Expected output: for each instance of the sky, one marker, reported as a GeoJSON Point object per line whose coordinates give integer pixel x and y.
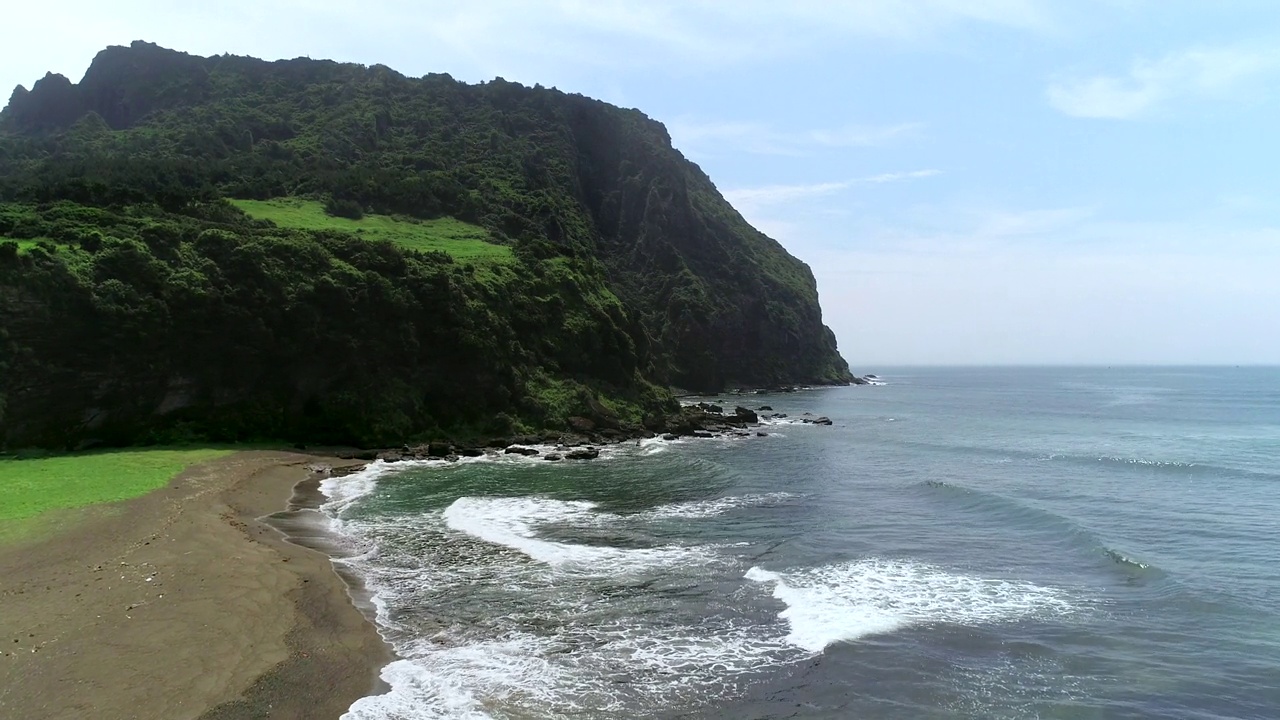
{"type": "Point", "coordinates": [971, 181]}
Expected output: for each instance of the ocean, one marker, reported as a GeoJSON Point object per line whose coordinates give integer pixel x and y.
{"type": "Point", "coordinates": [961, 543]}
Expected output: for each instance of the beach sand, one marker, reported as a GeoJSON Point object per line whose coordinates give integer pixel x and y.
{"type": "Point", "coordinates": [182, 604]}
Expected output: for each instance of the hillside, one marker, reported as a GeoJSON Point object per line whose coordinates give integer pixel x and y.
{"type": "Point", "coordinates": [233, 249]}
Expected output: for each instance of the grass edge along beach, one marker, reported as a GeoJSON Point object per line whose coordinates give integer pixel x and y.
{"type": "Point", "coordinates": [181, 602]}
{"type": "Point", "coordinates": [34, 490]}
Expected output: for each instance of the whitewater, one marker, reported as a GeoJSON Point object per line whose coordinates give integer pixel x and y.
{"type": "Point", "coordinates": [961, 543]}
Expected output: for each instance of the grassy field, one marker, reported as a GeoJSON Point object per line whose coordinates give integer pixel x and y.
{"type": "Point", "coordinates": [29, 488]}
{"type": "Point", "coordinates": [464, 241]}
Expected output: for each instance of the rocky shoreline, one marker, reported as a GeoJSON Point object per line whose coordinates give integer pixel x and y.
{"type": "Point", "coordinates": [582, 439]}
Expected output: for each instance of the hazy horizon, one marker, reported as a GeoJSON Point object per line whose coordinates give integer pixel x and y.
{"type": "Point", "coordinates": [990, 182]}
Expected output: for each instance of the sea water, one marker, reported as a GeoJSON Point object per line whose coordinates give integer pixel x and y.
{"type": "Point", "coordinates": [985, 543]}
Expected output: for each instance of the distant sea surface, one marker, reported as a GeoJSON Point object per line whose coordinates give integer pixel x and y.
{"type": "Point", "coordinates": [961, 543]}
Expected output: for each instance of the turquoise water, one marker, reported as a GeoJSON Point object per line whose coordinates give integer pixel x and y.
{"type": "Point", "coordinates": [985, 543]}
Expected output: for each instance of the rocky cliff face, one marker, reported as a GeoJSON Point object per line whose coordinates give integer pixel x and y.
{"type": "Point", "coordinates": [570, 184]}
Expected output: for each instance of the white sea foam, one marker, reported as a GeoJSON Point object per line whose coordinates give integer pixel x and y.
{"type": "Point", "coordinates": [514, 522]}
{"type": "Point", "coordinates": [716, 506]}
{"type": "Point", "coordinates": [848, 601]}
{"type": "Point", "coordinates": [344, 491]}
{"type": "Point", "coordinates": [571, 635]}
{"type": "Point", "coordinates": [438, 680]}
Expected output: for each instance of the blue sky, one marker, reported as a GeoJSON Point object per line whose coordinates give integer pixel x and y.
{"type": "Point", "coordinates": [972, 181]}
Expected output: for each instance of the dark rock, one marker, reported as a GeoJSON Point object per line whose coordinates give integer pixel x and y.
{"type": "Point", "coordinates": [518, 450]}
{"type": "Point", "coordinates": [780, 415]}
{"type": "Point", "coordinates": [451, 458]}
{"type": "Point", "coordinates": [703, 434]}
{"type": "Point", "coordinates": [601, 415]}
{"type": "Point", "coordinates": [439, 449]}
{"type": "Point", "coordinates": [763, 408]}
{"type": "Point", "coordinates": [390, 456]}
{"type": "Point", "coordinates": [824, 420]}
{"type": "Point", "coordinates": [470, 452]}
{"type": "Point", "coordinates": [581, 424]}
{"type": "Point", "coordinates": [583, 454]}
{"type": "Point", "coordinates": [670, 436]}
{"type": "Point", "coordinates": [745, 415]}
{"type": "Point", "coordinates": [711, 408]}
{"type": "Point", "coordinates": [553, 457]}
{"type": "Point", "coordinates": [761, 434]}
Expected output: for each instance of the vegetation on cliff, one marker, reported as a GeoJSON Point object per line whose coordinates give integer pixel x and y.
{"type": "Point", "coordinates": [225, 248]}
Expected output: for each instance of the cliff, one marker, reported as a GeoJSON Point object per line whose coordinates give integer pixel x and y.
{"type": "Point", "coordinates": [488, 257]}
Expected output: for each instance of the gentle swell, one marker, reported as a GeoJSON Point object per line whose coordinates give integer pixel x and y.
{"type": "Point", "coordinates": [1028, 519]}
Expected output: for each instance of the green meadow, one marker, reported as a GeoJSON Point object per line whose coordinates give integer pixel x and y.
{"type": "Point", "coordinates": [30, 488]}
{"type": "Point", "coordinates": [463, 241]}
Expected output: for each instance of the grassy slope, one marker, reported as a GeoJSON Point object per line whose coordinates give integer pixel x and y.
{"type": "Point", "coordinates": [463, 241]}
{"type": "Point", "coordinates": [31, 487]}
{"type": "Point", "coordinates": [25, 245]}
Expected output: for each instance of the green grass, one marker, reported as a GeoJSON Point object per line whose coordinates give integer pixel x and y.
{"type": "Point", "coordinates": [463, 241]}
{"type": "Point", "coordinates": [26, 245]}
{"type": "Point", "coordinates": [31, 487]}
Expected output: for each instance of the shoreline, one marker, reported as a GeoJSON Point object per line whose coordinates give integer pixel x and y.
{"type": "Point", "coordinates": [189, 602]}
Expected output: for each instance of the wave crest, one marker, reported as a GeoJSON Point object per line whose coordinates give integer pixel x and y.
{"type": "Point", "coordinates": [836, 603]}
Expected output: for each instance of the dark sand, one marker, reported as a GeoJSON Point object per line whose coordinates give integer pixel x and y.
{"type": "Point", "coordinates": [183, 604]}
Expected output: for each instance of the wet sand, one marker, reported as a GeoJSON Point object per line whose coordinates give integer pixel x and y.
{"type": "Point", "coordinates": [183, 604]}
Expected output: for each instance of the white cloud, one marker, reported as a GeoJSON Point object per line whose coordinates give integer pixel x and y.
{"type": "Point", "coordinates": [864, 135]}
{"type": "Point", "coordinates": [906, 19]}
{"type": "Point", "coordinates": [749, 200]}
{"type": "Point", "coordinates": [1151, 85]}
{"type": "Point", "coordinates": [1030, 222]}
{"type": "Point", "coordinates": [760, 139]}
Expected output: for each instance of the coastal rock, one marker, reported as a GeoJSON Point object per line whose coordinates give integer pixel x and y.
{"type": "Point", "coordinates": [600, 415]}
{"type": "Point", "coordinates": [553, 457]}
{"type": "Point", "coordinates": [519, 450]}
{"type": "Point", "coordinates": [745, 415]}
{"type": "Point", "coordinates": [670, 436]}
{"type": "Point", "coordinates": [703, 434]}
{"type": "Point", "coordinates": [470, 452]}
{"type": "Point", "coordinates": [439, 449]}
{"type": "Point", "coordinates": [764, 408]}
{"type": "Point", "coordinates": [583, 454]}
{"type": "Point", "coordinates": [581, 424]}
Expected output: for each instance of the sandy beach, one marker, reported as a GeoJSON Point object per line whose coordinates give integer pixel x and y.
{"type": "Point", "coordinates": [183, 604]}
